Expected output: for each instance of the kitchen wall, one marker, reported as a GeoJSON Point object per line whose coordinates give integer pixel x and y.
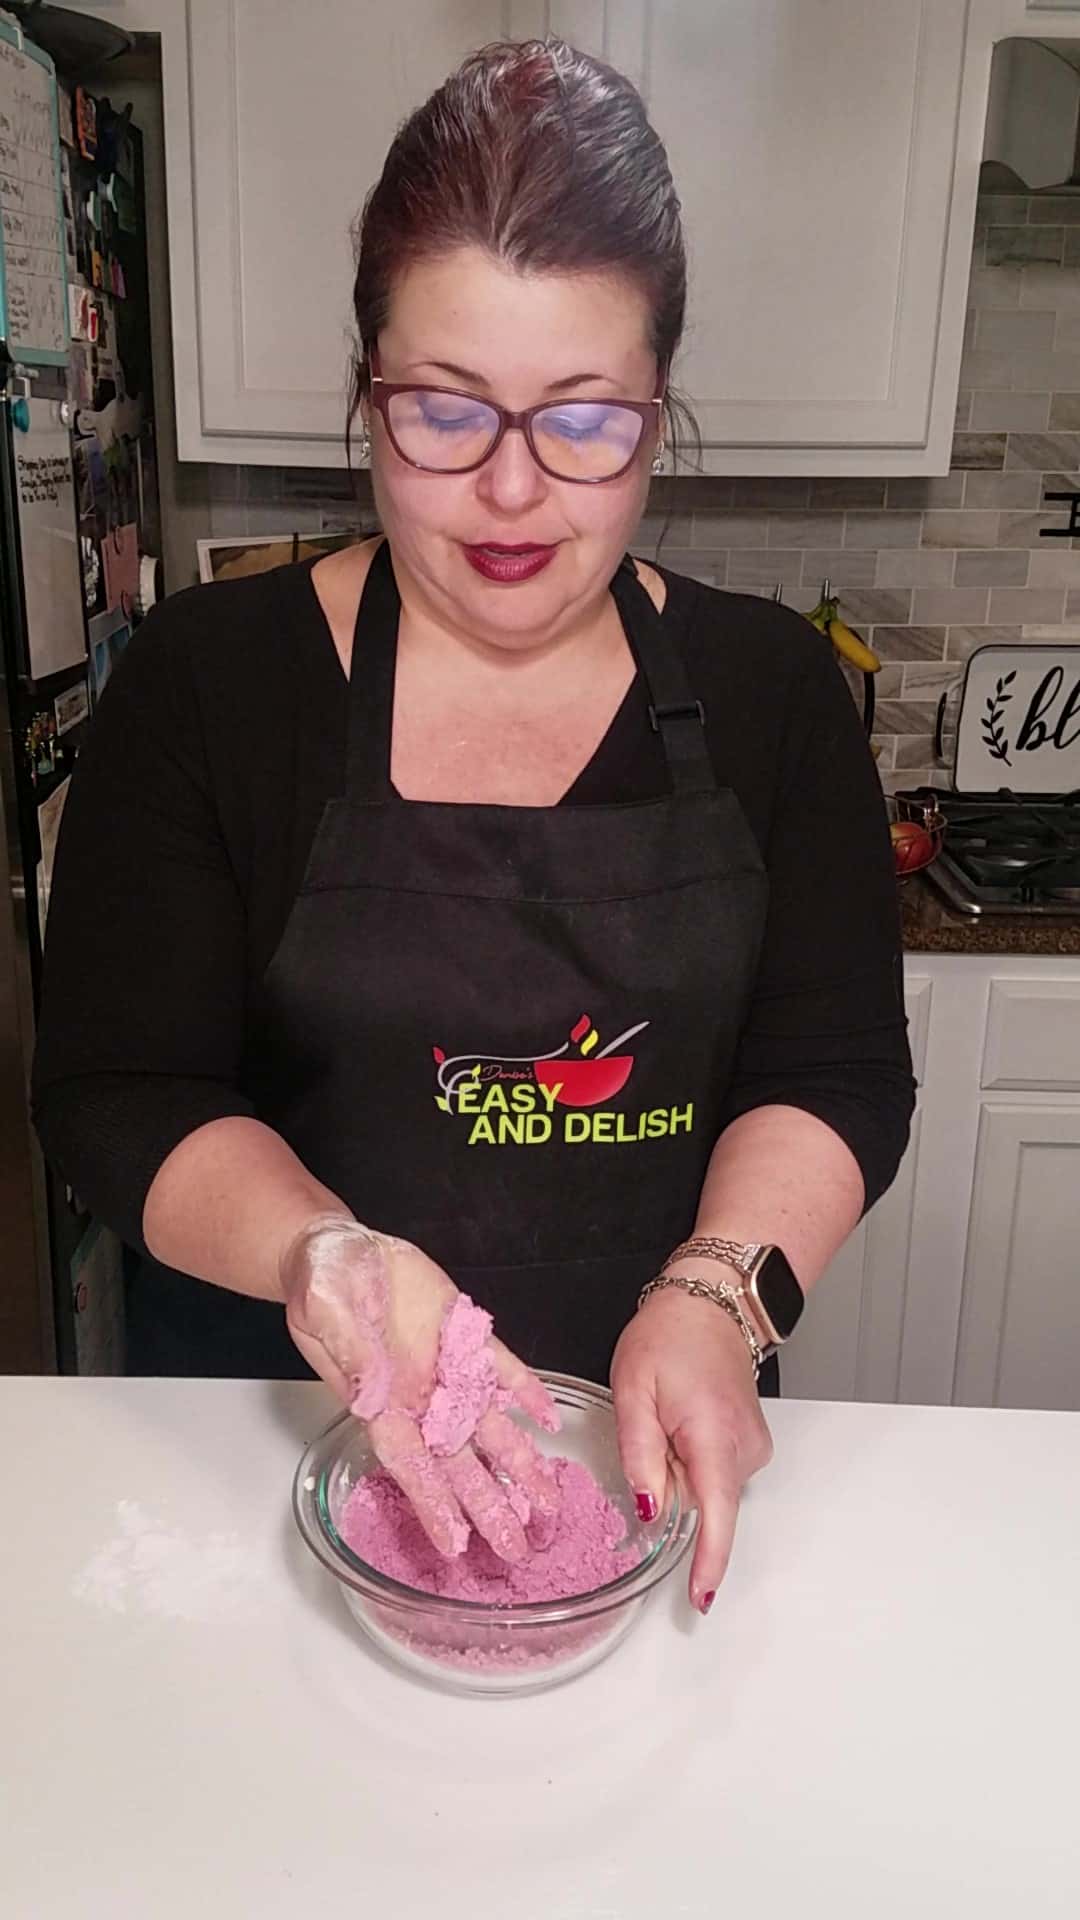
{"type": "Point", "coordinates": [925, 569]}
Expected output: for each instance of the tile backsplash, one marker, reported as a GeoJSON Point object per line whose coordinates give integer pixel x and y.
{"type": "Point", "coordinates": [925, 569]}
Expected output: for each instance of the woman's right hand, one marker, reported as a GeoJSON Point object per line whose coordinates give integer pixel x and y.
{"type": "Point", "coordinates": [366, 1311]}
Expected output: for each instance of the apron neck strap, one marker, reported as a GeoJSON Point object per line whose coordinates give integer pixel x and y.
{"type": "Point", "coordinates": [675, 714]}
{"type": "Point", "coordinates": [371, 683]}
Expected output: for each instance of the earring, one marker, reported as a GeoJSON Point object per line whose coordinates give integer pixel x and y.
{"type": "Point", "coordinates": [658, 459]}
{"type": "Point", "coordinates": [363, 443]}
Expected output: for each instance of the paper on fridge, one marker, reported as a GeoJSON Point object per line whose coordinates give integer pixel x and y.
{"type": "Point", "coordinates": [52, 583]}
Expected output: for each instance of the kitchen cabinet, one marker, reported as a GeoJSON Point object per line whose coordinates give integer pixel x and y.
{"type": "Point", "coordinates": [827, 157]}
{"type": "Point", "coordinates": [1019, 1341]}
{"type": "Point", "coordinates": [813, 149]}
{"type": "Point", "coordinates": [960, 1285]}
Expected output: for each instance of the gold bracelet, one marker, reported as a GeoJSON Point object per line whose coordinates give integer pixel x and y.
{"type": "Point", "coordinates": [729, 1251]}
{"type": "Point", "coordinates": [720, 1293]}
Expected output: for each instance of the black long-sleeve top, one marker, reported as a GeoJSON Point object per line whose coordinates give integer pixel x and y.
{"type": "Point", "coordinates": [193, 807]}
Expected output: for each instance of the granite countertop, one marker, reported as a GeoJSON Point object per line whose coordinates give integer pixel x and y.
{"type": "Point", "coordinates": [930, 926]}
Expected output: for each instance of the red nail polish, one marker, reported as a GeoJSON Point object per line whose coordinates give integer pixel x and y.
{"type": "Point", "coordinates": [707, 1600]}
{"type": "Point", "coordinates": [647, 1508]}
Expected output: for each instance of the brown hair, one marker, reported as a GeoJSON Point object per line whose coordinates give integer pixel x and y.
{"type": "Point", "coordinates": [543, 156]}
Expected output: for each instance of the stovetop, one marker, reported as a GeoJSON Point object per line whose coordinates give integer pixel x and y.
{"type": "Point", "coordinates": [1003, 854]}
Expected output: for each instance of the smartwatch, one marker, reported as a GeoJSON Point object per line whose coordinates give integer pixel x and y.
{"type": "Point", "coordinates": [770, 1295]}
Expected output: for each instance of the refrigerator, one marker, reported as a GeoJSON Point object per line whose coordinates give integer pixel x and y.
{"type": "Point", "coordinates": [79, 540]}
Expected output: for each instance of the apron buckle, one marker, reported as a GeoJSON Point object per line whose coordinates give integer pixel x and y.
{"type": "Point", "coordinates": [685, 711]}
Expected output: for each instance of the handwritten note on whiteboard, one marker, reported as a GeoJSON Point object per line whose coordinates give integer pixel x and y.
{"type": "Point", "coordinates": [52, 583]}
{"type": "Point", "coordinates": [35, 289]}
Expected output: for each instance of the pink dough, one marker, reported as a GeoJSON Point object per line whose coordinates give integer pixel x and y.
{"type": "Point", "coordinates": [466, 1384]}
{"type": "Point", "coordinates": [583, 1548]}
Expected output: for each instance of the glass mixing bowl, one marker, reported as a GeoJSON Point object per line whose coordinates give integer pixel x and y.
{"type": "Point", "coordinates": [475, 1646]}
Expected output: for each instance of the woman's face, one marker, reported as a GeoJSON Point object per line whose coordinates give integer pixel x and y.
{"type": "Point", "coordinates": [465, 321]}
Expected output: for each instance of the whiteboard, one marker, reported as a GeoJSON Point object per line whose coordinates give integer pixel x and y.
{"type": "Point", "coordinates": [52, 580]}
{"type": "Point", "coordinates": [33, 292]}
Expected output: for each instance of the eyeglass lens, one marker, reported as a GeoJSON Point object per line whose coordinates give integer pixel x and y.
{"type": "Point", "coordinates": [575, 439]}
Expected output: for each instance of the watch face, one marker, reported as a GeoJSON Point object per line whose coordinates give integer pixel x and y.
{"type": "Point", "coordinates": [779, 1292]}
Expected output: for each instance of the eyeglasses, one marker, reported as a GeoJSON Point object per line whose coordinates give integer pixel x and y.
{"type": "Point", "coordinates": [440, 430]}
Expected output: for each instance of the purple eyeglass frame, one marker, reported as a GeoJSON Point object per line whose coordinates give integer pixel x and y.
{"type": "Point", "coordinates": [383, 391]}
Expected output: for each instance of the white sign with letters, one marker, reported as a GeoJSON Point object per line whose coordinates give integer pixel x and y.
{"type": "Point", "coordinates": [1019, 726]}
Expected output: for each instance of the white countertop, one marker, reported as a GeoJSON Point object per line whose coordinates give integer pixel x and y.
{"type": "Point", "coordinates": [880, 1718]}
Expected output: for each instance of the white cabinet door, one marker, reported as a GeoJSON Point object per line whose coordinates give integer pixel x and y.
{"type": "Point", "coordinates": [812, 143]}
{"type": "Point", "coordinates": [291, 114]}
{"type": "Point", "coordinates": [850, 1338]}
{"type": "Point", "coordinates": [1019, 1342]}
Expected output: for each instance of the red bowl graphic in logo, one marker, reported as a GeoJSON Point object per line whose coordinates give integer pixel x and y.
{"type": "Point", "coordinates": [584, 1083]}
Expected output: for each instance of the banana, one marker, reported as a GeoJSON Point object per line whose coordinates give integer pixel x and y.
{"type": "Point", "coordinates": [851, 648]}
{"type": "Point", "coordinates": [826, 618]}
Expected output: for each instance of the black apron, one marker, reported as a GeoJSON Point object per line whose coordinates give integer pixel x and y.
{"type": "Point", "coordinates": [505, 1033]}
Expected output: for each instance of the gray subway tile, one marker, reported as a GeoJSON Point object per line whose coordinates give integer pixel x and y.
{"type": "Point", "coordinates": [1024, 529]}
{"type": "Point", "coordinates": [884, 749]}
{"type": "Point", "coordinates": [914, 749]}
{"type": "Point", "coordinates": [690, 493]}
{"type": "Point", "coordinates": [982, 489]}
{"type": "Point", "coordinates": [806, 529]}
{"type": "Point", "coordinates": [1027, 604]}
{"type": "Point", "coordinates": [888, 680]}
{"type": "Point", "coordinates": [1067, 333]}
{"type": "Point", "coordinates": [844, 566]}
{"type": "Point", "coordinates": [983, 371]}
{"type": "Point", "coordinates": [900, 716]}
{"type": "Point", "coordinates": [1048, 289]}
{"type": "Point", "coordinates": [1012, 243]}
{"type": "Point", "coordinates": [978, 450]}
{"type": "Point", "coordinates": [994, 567]}
{"type": "Point", "coordinates": [944, 606]}
{"type": "Point", "coordinates": [962, 528]}
{"type": "Point", "coordinates": [1058, 372]}
{"type": "Point", "coordinates": [1027, 330]}
{"type": "Point", "coordinates": [1072, 248]}
{"type": "Point", "coordinates": [1065, 411]}
{"type": "Point", "coordinates": [842, 490]}
{"type": "Point", "coordinates": [657, 529]}
{"type": "Point", "coordinates": [899, 780]}
{"type": "Point", "coordinates": [866, 606]}
{"type": "Point", "coordinates": [1054, 209]}
{"type": "Point", "coordinates": [1056, 564]}
{"type": "Point", "coordinates": [962, 641]}
{"type": "Point", "coordinates": [914, 567]}
{"type": "Point", "coordinates": [995, 287]}
{"type": "Point", "coordinates": [929, 679]}
{"type": "Point", "coordinates": [887, 529]}
{"type": "Point", "coordinates": [763, 490]}
{"type": "Point", "coordinates": [1011, 412]}
{"type": "Point", "coordinates": [749, 569]}
{"type": "Point", "coordinates": [1002, 209]}
{"type": "Point", "coordinates": [695, 563]}
{"type": "Point", "coordinates": [1042, 451]}
{"type": "Point", "coordinates": [962, 413]}
{"type": "Point", "coordinates": [1072, 603]}
{"type": "Point", "coordinates": [730, 530]}
{"type": "Point", "coordinates": [919, 490]}
{"type": "Point", "coordinates": [909, 643]}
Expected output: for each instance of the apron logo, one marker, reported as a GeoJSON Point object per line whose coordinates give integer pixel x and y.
{"type": "Point", "coordinates": [516, 1100]}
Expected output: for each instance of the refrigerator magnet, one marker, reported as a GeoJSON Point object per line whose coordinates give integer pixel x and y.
{"type": "Point", "coordinates": [121, 557]}
{"type": "Point", "coordinates": [86, 123]}
{"type": "Point", "coordinates": [71, 706]}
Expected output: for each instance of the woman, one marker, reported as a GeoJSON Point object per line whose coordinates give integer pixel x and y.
{"type": "Point", "coordinates": [483, 909]}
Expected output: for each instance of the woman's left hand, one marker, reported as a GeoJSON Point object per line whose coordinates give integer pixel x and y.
{"type": "Point", "coordinates": [686, 1399]}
